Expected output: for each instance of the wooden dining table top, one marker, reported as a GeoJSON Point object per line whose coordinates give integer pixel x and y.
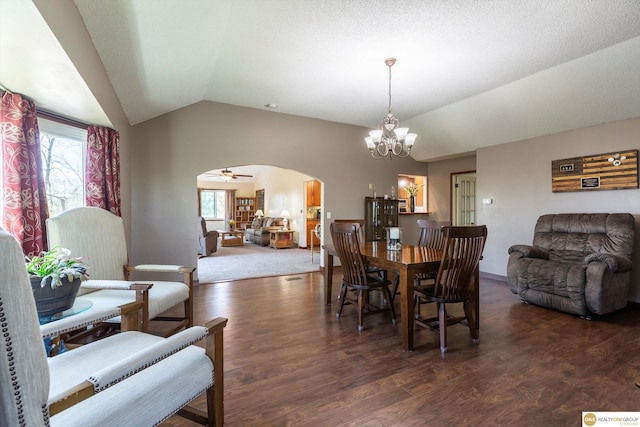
{"type": "Point", "coordinates": [407, 257]}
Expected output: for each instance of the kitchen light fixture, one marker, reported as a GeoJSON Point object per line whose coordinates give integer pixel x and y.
{"type": "Point", "coordinates": [389, 139]}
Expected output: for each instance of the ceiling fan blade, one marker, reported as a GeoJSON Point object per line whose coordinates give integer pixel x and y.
{"type": "Point", "coordinates": [247, 176]}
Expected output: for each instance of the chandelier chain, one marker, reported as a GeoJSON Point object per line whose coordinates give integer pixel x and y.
{"type": "Point", "coordinates": [389, 139]}
{"type": "Point", "coordinates": [389, 108]}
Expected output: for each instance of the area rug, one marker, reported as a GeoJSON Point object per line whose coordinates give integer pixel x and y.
{"type": "Point", "coordinates": [251, 261]}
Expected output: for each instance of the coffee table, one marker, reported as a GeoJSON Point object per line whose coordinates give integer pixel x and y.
{"type": "Point", "coordinates": [231, 237]}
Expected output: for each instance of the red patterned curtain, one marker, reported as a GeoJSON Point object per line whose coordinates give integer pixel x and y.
{"type": "Point", "coordinates": [102, 176]}
{"type": "Point", "coordinates": [24, 199]}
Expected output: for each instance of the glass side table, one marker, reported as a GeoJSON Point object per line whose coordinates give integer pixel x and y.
{"type": "Point", "coordinates": [54, 346]}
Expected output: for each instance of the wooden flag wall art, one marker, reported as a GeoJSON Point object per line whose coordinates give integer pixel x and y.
{"type": "Point", "coordinates": [608, 171]}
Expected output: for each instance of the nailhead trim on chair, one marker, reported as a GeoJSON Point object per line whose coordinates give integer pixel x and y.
{"type": "Point", "coordinates": [17, 392]}
{"type": "Point", "coordinates": [17, 395]}
{"type": "Point", "coordinates": [97, 387]}
{"type": "Point", "coordinates": [79, 325]}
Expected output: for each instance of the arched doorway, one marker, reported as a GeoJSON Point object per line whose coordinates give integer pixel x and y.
{"type": "Point", "coordinates": [271, 189]}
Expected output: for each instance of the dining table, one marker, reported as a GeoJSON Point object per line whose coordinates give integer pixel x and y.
{"type": "Point", "coordinates": [406, 262]}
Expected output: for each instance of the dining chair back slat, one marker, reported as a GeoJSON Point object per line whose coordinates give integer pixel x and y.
{"type": "Point", "coordinates": [431, 235]}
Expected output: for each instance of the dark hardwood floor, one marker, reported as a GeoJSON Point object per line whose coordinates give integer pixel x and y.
{"type": "Point", "coordinates": [290, 362]}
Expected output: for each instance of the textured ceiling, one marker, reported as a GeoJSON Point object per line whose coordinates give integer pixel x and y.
{"type": "Point", "coordinates": [469, 73]}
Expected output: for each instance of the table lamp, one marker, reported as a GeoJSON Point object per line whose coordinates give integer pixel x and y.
{"type": "Point", "coordinates": [259, 213]}
{"type": "Point", "coordinates": [285, 218]}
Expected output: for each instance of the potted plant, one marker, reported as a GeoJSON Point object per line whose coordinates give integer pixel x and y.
{"type": "Point", "coordinates": [232, 224]}
{"type": "Point", "coordinates": [55, 280]}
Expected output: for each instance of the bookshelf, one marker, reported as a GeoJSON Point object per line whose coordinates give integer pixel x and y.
{"type": "Point", "coordinates": [244, 211]}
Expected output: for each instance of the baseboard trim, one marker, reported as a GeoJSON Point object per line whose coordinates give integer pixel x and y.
{"type": "Point", "coordinates": [492, 276]}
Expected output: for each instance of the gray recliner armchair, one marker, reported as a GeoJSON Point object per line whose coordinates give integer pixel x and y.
{"type": "Point", "coordinates": [207, 240]}
{"type": "Point", "coordinates": [578, 263]}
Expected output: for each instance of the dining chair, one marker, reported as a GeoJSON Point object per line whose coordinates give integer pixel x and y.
{"type": "Point", "coordinates": [356, 276]}
{"type": "Point", "coordinates": [128, 379]}
{"type": "Point", "coordinates": [431, 236]}
{"type": "Point", "coordinates": [461, 254]}
{"type": "Point", "coordinates": [98, 237]}
{"type": "Point", "coordinates": [359, 223]}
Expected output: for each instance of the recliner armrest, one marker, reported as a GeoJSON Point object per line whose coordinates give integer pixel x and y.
{"type": "Point", "coordinates": [528, 251]}
{"type": "Point", "coordinates": [615, 263]}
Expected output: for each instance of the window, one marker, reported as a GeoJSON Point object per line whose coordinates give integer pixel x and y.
{"type": "Point", "coordinates": [419, 184]}
{"type": "Point", "coordinates": [63, 151]}
{"type": "Point", "coordinates": [212, 204]}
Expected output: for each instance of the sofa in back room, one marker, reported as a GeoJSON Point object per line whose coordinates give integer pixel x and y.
{"type": "Point", "coordinates": [258, 231]}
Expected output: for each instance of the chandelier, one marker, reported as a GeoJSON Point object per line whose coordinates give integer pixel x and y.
{"type": "Point", "coordinates": [389, 139]}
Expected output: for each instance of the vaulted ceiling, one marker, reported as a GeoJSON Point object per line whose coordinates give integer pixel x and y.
{"type": "Point", "coordinates": [468, 74]}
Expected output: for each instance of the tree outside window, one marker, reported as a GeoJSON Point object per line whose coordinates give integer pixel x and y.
{"type": "Point", "coordinates": [212, 204]}
{"type": "Point", "coordinates": [62, 164]}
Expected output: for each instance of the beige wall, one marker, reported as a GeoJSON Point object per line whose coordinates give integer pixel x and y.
{"type": "Point", "coordinates": [517, 176]}
{"type": "Point", "coordinates": [171, 150]}
{"type": "Point", "coordinates": [439, 184]}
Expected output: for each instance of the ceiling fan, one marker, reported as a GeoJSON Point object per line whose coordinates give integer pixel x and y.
{"type": "Point", "coordinates": [228, 175]}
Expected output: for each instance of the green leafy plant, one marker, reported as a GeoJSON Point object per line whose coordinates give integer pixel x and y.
{"type": "Point", "coordinates": [56, 264]}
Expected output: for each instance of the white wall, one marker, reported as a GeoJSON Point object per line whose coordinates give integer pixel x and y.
{"type": "Point", "coordinates": [517, 176]}
{"type": "Point", "coordinates": [284, 189]}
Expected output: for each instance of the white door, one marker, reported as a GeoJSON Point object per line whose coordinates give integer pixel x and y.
{"type": "Point", "coordinates": [463, 196]}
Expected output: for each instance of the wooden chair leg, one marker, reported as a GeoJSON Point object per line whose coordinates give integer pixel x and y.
{"type": "Point", "coordinates": [387, 293]}
{"type": "Point", "coordinates": [343, 297]}
{"type": "Point", "coordinates": [361, 298]}
{"type": "Point", "coordinates": [396, 285]}
{"type": "Point", "coordinates": [442, 320]}
{"type": "Point", "coordinates": [468, 311]}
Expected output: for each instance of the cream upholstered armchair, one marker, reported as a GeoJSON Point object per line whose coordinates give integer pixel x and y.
{"type": "Point", "coordinates": [98, 236]}
{"type": "Point", "coordinates": [131, 378]}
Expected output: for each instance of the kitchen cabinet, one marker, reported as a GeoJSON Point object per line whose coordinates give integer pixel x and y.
{"type": "Point", "coordinates": [313, 193]}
